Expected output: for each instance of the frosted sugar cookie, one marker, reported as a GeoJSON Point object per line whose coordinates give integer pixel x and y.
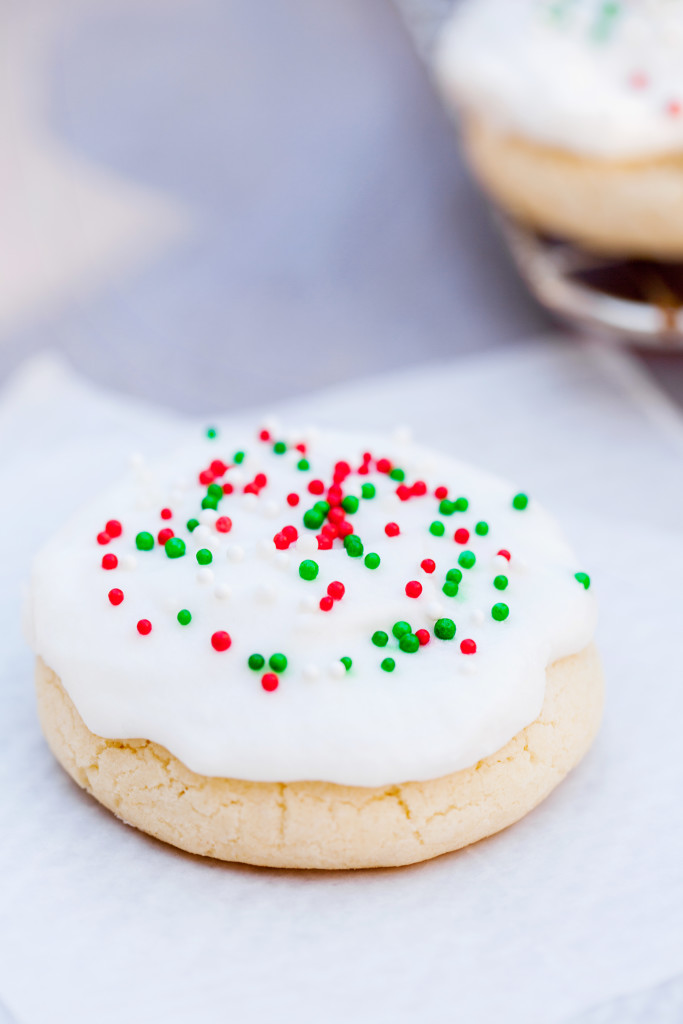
{"type": "Point", "coordinates": [572, 115]}
{"type": "Point", "coordinates": [306, 649]}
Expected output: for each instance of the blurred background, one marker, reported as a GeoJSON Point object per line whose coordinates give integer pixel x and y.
{"type": "Point", "coordinates": [217, 203]}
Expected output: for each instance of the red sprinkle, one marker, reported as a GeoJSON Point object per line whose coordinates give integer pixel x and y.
{"type": "Point", "coordinates": [251, 488]}
{"type": "Point", "coordinates": [344, 528]}
{"type": "Point", "coordinates": [109, 561]}
{"type": "Point", "coordinates": [206, 477]}
{"type": "Point", "coordinates": [342, 468]}
{"type": "Point", "coordinates": [392, 529]}
{"type": "Point", "coordinates": [363, 470]}
{"type": "Point", "coordinates": [324, 542]}
{"type": "Point", "coordinates": [413, 588]}
{"type": "Point", "coordinates": [403, 491]}
{"type": "Point", "coordinates": [165, 514]}
{"type": "Point", "coordinates": [326, 603]}
{"type": "Point", "coordinates": [468, 647]}
{"type": "Point", "coordinates": [103, 538]}
{"type": "Point", "coordinates": [336, 514]}
{"type": "Point", "coordinates": [419, 488]}
{"type": "Point", "coordinates": [461, 536]}
{"type": "Point", "coordinates": [228, 488]}
{"type": "Point", "coordinates": [504, 553]}
{"type": "Point", "coordinates": [428, 564]}
{"type": "Point", "coordinates": [335, 495]}
{"type": "Point", "coordinates": [301, 448]}
{"type": "Point", "coordinates": [220, 640]}
{"type": "Point", "coordinates": [383, 466]}
{"type": "Point", "coordinates": [316, 487]}
{"type": "Point", "coordinates": [144, 627]}
{"type": "Point", "coordinates": [673, 108]}
{"type": "Point", "coordinates": [224, 524]}
{"type": "Point", "coordinates": [292, 499]}
{"type": "Point", "coordinates": [260, 479]}
{"type": "Point", "coordinates": [269, 682]}
{"type": "Point", "coordinates": [264, 435]}
{"type": "Point", "coordinates": [165, 535]}
{"type": "Point", "coordinates": [218, 467]}
{"type": "Point", "coordinates": [281, 542]}
{"type": "Point", "coordinates": [336, 590]}
{"type": "Point", "coordinates": [114, 528]}
{"type": "Point", "coordinates": [115, 596]}
{"type": "Point", "coordinates": [441, 493]}
{"type": "Point", "coordinates": [330, 530]}
{"type": "Point", "coordinates": [423, 636]}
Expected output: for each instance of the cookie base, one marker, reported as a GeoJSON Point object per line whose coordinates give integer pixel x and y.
{"type": "Point", "coordinates": [319, 824]}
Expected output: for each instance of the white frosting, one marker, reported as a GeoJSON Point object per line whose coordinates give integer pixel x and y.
{"type": "Point", "coordinates": [439, 710]}
{"type": "Point", "coordinates": [598, 78]}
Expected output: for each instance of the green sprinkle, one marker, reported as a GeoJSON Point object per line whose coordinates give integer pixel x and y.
{"type": "Point", "coordinates": [397, 474]}
{"type": "Point", "coordinates": [209, 502]}
{"type": "Point", "coordinates": [500, 582]}
{"type": "Point", "coordinates": [277, 662]}
{"type": "Point", "coordinates": [368, 491]}
{"type": "Point", "coordinates": [461, 504]}
{"type": "Point", "coordinates": [454, 575]}
{"type": "Point", "coordinates": [380, 638]}
{"type": "Point", "coordinates": [446, 507]}
{"type": "Point", "coordinates": [450, 589]}
{"type": "Point", "coordinates": [409, 643]}
{"type": "Point", "coordinates": [303, 464]}
{"type": "Point", "coordinates": [256, 661]}
{"type": "Point", "coordinates": [204, 556]}
{"type": "Point", "coordinates": [215, 491]}
{"type": "Point", "coordinates": [500, 611]}
{"type": "Point", "coordinates": [144, 541]}
{"type": "Point", "coordinates": [238, 457]}
{"type": "Point", "coordinates": [467, 559]}
{"type": "Point", "coordinates": [437, 528]}
{"type": "Point", "coordinates": [308, 570]}
{"type": "Point", "coordinates": [184, 617]}
{"type": "Point", "coordinates": [192, 524]}
{"type": "Point", "coordinates": [520, 501]}
{"type": "Point", "coordinates": [481, 528]}
{"type": "Point", "coordinates": [346, 662]}
{"type": "Point", "coordinates": [400, 629]}
{"type": "Point", "coordinates": [583, 578]}
{"type": "Point", "coordinates": [279, 447]}
{"type": "Point", "coordinates": [350, 503]}
{"type": "Point", "coordinates": [372, 560]}
{"type": "Point", "coordinates": [211, 432]}
{"type": "Point", "coordinates": [174, 547]}
{"type": "Point", "coordinates": [388, 665]}
{"type": "Point", "coordinates": [444, 629]}
{"type": "Point", "coordinates": [313, 519]}
{"type": "Point", "coordinates": [353, 545]}
{"type": "Point", "coordinates": [322, 506]}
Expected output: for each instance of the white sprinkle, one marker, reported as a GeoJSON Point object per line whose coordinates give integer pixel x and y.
{"type": "Point", "coordinates": [128, 562]}
{"type": "Point", "coordinates": [208, 516]}
{"type": "Point", "coordinates": [403, 434]}
{"type": "Point", "coordinates": [271, 509]}
{"type": "Point", "coordinates": [311, 672]}
{"type": "Point", "coordinates": [205, 575]}
{"type": "Point", "coordinates": [223, 591]}
{"type": "Point", "coordinates": [235, 552]}
{"type": "Point", "coordinates": [201, 534]}
{"type": "Point", "coordinates": [435, 608]}
{"type": "Point", "coordinates": [266, 593]}
{"type": "Point", "coordinates": [282, 559]}
{"type": "Point", "coordinates": [500, 562]}
{"type": "Point", "coordinates": [477, 618]}
{"type": "Point", "coordinates": [236, 477]}
{"type": "Point", "coordinates": [307, 544]}
{"type": "Point", "coordinates": [249, 501]}
{"type": "Point", "coordinates": [308, 604]}
{"type": "Point", "coordinates": [337, 670]}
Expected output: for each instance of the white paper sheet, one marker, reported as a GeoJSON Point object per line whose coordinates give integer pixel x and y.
{"type": "Point", "coordinates": [580, 902]}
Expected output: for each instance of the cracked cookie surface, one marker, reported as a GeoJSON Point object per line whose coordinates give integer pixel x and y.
{"type": "Point", "coordinates": [323, 825]}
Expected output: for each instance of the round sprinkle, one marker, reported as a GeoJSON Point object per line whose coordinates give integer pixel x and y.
{"type": "Point", "coordinates": [144, 627]}
{"type": "Point", "coordinates": [326, 603]}
{"type": "Point", "coordinates": [313, 519]}
{"type": "Point", "coordinates": [388, 665]}
{"type": "Point", "coordinates": [346, 662]}
{"type": "Point", "coordinates": [461, 536]}
{"type": "Point", "coordinates": [220, 640]}
{"type": "Point", "coordinates": [500, 611]}
{"type": "Point", "coordinates": [256, 662]}
{"type": "Point", "coordinates": [461, 504]}
{"type": "Point", "coordinates": [450, 589]}
{"type": "Point", "coordinates": [350, 504]}
{"type": "Point", "coordinates": [482, 528]}
{"type": "Point", "coordinates": [467, 559]}
{"type": "Point", "coordinates": [184, 617]}
{"type": "Point", "coordinates": [211, 433]}
{"type": "Point", "coordinates": [114, 528]}
{"type": "Point", "coordinates": [500, 582]}
{"type": "Point", "coordinates": [582, 577]}
{"type": "Point", "coordinates": [437, 528]}
{"type": "Point", "coordinates": [336, 590]}
{"type": "Point", "coordinates": [215, 491]}
{"type": "Point", "coordinates": [164, 535]}
{"type": "Point", "coordinates": [279, 447]}
{"type": "Point", "coordinates": [308, 569]}
{"type": "Point", "coordinates": [174, 547]}
{"type": "Point", "coordinates": [468, 647]}
{"type": "Point", "coordinates": [444, 629]}
{"type": "Point", "coordinates": [428, 564]}
{"type": "Point", "coordinates": [413, 588]}
{"type": "Point", "coordinates": [109, 561]}
{"type": "Point", "coordinates": [520, 501]}
{"type": "Point", "coordinates": [392, 529]}
{"type": "Point", "coordinates": [224, 524]}
{"type": "Point", "coordinates": [166, 513]}
{"type": "Point", "coordinates": [504, 554]}
{"type": "Point", "coordinates": [115, 596]}
{"type": "Point", "coordinates": [204, 556]}
{"type": "Point", "coordinates": [238, 457]}
{"type": "Point", "coordinates": [292, 499]}
{"type": "Point", "coordinates": [397, 474]}
{"type": "Point", "coordinates": [277, 662]}
{"type": "Point", "coordinates": [446, 507]}
{"type": "Point", "coordinates": [409, 643]}
{"type": "Point", "coordinates": [423, 636]}
{"type": "Point", "coordinates": [400, 629]}
{"type": "Point", "coordinates": [454, 575]}
{"type": "Point", "coordinates": [316, 487]}
{"type": "Point", "coordinates": [368, 490]}
{"type": "Point", "coordinates": [192, 524]}
{"type": "Point", "coordinates": [144, 541]}
{"type": "Point", "coordinates": [372, 560]}
{"type": "Point", "coordinates": [303, 464]}
{"type": "Point", "coordinates": [269, 682]}
{"type": "Point", "coordinates": [353, 545]}
{"type": "Point", "coordinates": [380, 638]}
{"type": "Point", "coordinates": [209, 502]}
{"type": "Point", "coordinates": [103, 537]}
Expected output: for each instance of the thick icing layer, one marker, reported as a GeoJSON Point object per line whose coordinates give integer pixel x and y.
{"type": "Point", "coordinates": [603, 79]}
{"type": "Point", "coordinates": [439, 710]}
